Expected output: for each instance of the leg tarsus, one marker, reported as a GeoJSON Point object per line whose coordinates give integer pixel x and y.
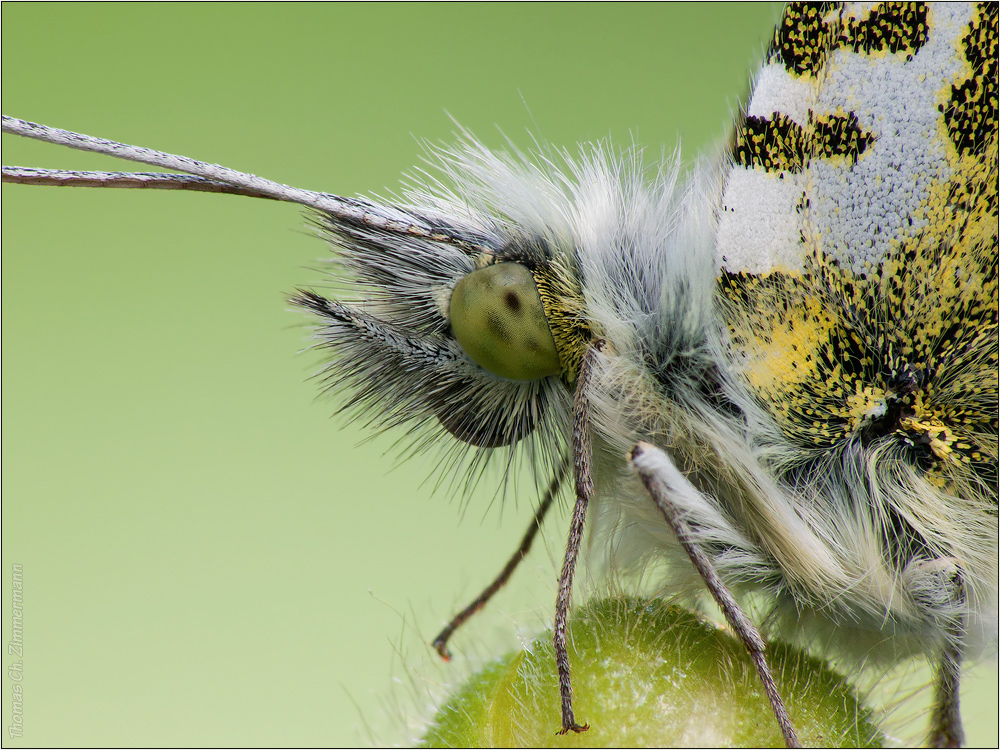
{"type": "Point", "coordinates": [562, 618]}
{"type": "Point", "coordinates": [946, 718]}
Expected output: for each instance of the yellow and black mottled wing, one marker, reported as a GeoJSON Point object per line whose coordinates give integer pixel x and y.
{"type": "Point", "coordinates": [857, 242]}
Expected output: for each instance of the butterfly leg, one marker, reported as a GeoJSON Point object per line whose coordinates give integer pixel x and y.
{"type": "Point", "coordinates": [584, 489]}
{"type": "Point", "coordinates": [662, 479]}
{"type": "Point", "coordinates": [440, 643]}
{"type": "Point", "coordinates": [946, 718]}
{"type": "Point", "coordinates": [562, 613]}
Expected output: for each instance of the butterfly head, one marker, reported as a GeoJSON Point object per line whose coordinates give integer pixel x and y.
{"type": "Point", "coordinates": [471, 307]}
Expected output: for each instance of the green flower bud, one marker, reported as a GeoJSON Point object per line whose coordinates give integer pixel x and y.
{"type": "Point", "coordinates": [650, 675]}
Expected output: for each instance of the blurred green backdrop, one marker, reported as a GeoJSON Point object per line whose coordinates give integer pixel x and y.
{"type": "Point", "coordinates": [208, 558]}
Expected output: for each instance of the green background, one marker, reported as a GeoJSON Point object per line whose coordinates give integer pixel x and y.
{"type": "Point", "coordinates": [208, 557]}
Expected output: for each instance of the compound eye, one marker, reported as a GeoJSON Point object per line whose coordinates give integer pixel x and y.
{"type": "Point", "coordinates": [497, 318]}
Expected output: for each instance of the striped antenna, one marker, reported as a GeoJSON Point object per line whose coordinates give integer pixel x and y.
{"type": "Point", "coordinates": [205, 177]}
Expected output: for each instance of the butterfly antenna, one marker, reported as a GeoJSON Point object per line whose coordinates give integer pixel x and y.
{"type": "Point", "coordinates": [205, 177]}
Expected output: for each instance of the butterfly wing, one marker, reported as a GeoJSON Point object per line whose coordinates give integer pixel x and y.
{"type": "Point", "coordinates": [857, 264]}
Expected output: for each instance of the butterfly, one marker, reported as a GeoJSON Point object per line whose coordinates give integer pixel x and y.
{"type": "Point", "coordinates": [718, 321]}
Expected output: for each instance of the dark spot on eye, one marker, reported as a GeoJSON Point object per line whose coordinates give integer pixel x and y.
{"type": "Point", "coordinates": [513, 301]}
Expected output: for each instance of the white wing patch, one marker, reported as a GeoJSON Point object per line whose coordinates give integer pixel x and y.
{"type": "Point", "coordinates": [860, 214]}
{"type": "Point", "coordinates": [855, 207]}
